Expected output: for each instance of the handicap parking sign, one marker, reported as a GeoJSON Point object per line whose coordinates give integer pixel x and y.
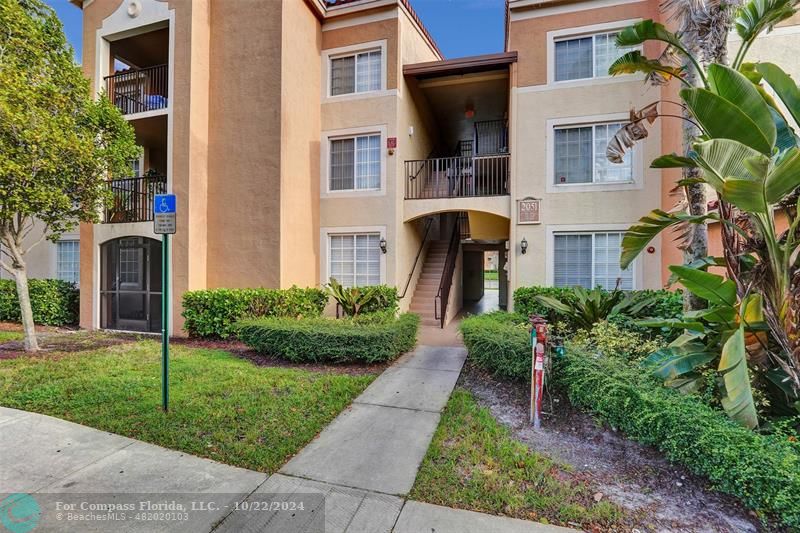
{"type": "Point", "coordinates": [164, 214]}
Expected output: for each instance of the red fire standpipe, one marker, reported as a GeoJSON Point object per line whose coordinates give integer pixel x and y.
{"type": "Point", "coordinates": [537, 368]}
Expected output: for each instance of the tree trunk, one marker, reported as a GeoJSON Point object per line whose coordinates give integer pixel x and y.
{"type": "Point", "coordinates": [26, 311]}
{"type": "Point", "coordinates": [696, 245]}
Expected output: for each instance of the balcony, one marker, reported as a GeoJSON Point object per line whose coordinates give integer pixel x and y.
{"type": "Point", "coordinates": [457, 177]}
{"type": "Point", "coordinates": [139, 90]}
{"type": "Point", "coordinates": [133, 199]}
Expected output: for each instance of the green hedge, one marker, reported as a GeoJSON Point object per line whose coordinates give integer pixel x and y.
{"type": "Point", "coordinates": [54, 302]}
{"type": "Point", "coordinates": [213, 312]}
{"type": "Point", "coordinates": [764, 471]}
{"type": "Point", "coordinates": [499, 342]}
{"type": "Point", "coordinates": [368, 339]}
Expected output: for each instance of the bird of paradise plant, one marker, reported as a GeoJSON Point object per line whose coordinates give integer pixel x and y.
{"type": "Point", "coordinates": [748, 154]}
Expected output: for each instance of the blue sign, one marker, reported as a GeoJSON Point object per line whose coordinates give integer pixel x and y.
{"type": "Point", "coordinates": [164, 204]}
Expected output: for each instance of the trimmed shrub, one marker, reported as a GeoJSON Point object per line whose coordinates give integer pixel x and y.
{"type": "Point", "coordinates": [54, 302]}
{"type": "Point", "coordinates": [762, 470]}
{"type": "Point", "coordinates": [213, 312]}
{"type": "Point", "coordinates": [367, 339]}
{"type": "Point", "coordinates": [500, 343]}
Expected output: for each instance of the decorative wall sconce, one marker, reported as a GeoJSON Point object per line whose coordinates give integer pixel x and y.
{"type": "Point", "coordinates": [523, 246]}
{"type": "Point", "coordinates": [383, 245]}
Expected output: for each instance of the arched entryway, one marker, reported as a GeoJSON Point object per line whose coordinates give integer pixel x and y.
{"type": "Point", "coordinates": [130, 284]}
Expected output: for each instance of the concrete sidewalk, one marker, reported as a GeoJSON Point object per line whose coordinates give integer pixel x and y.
{"type": "Point", "coordinates": [353, 478]}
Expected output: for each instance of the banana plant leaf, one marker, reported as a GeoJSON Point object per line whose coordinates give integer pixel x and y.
{"type": "Point", "coordinates": [674, 361]}
{"type": "Point", "coordinates": [784, 86]}
{"type": "Point", "coordinates": [673, 161]}
{"type": "Point", "coordinates": [756, 15]}
{"type": "Point", "coordinates": [712, 287]}
{"type": "Point", "coordinates": [716, 314]}
{"type": "Point", "coordinates": [673, 323]}
{"type": "Point", "coordinates": [633, 62]}
{"type": "Point", "coordinates": [724, 158]}
{"type": "Point", "coordinates": [786, 136]}
{"type": "Point", "coordinates": [723, 119]}
{"type": "Point", "coordinates": [738, 398]}
{"type": "Point", "coordinates": [639, 235]}
{"type": "Point", "coordinates": [700, 264]}
{"type": "Point", "coordinates": [647, 30]}
{"type": "Point", "coordinates": [734, 87]}
{"type": "Point", "coordinates": [686, 384]}
{"type": "Point", "coordinates": [758, 196]}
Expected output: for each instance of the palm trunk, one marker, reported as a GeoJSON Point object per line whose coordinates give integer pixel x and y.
{"type": "Point", "coordinates": [696, 244]}
{"type": "Point", "coordinates": [26, 311]}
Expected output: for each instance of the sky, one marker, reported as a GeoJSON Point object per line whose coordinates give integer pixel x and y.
{"type": "Point", "coordinates": [460, 27]}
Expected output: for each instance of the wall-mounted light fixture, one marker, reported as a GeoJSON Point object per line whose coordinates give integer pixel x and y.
{"type": "Point", "coordinates": [523, 246]}
{"type": "Point", "coordinates": [383, 244]}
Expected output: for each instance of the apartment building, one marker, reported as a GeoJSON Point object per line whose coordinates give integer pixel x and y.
{"type": "Point", "coordinates": [309, 139]}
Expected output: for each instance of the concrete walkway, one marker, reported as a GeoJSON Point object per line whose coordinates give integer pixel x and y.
{"type": "Point", "coordinates": [353, 477]}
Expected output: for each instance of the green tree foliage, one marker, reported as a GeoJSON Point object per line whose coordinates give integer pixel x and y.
{"type": "Point", "coordinates": [57, 143]}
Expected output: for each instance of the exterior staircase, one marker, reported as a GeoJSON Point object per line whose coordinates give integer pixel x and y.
{"type": "Point", "coordinates": [422, 303]}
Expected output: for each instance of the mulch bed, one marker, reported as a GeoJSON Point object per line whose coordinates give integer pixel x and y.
{"type": "Point", "coordinates": [657, 495]}
{"type": "Point", "coordinates": [58, 341]}
{"type": "Point", "coordinates": [240, 349]}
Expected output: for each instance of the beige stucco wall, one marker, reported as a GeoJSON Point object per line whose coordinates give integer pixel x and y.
{"type": "Point", "coordinates": [301, 80]}
{"type": "Point", "coordinates": [245, 143]}
{"type": "Point", "coordinates": [41, 259]}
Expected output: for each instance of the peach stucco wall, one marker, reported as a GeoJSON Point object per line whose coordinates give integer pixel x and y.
{"type": "Point", "coordinates": [244, 164]}
{"type": "Point", "coordinates": [301, 80]}
{"type": "Point", "coordinates": [529, 36]}
{"type": "Point", "coordinates": [364, 33]}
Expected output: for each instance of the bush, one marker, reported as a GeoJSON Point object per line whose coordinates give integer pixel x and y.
{"type": "Point", "coordinates": [367, 339]}
{"type": "Point", "coordinates": [54, 302]}
{"type": "Point", "coordinates": [386, 300]}
{"type": "Point", "coordinates": [213, 312]}
{"type": "Point", "coordinates": [500, 343]}
{"type": "Point", "coordinates": [764, 471]}
{"type": "Point", "coordinates": [612, 340]}
{"type": "Point", "coordinates": [667, 304]}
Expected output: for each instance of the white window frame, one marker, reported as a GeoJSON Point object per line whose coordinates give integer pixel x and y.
{"type": "Point", "coordinates": [580, 32]}
{"type": "Point", "coordinates": [325, 247]}
{"type": "Point", "coordinates": [637, 163]}
{"type": "Point", "coordinates": [57, 257]}
{"type": "Point", "coordinates": [353, 50]}
{"type": "Point", "coordinates": [553, 230]}
{"type": "Point", "coordinates": [325, 161]}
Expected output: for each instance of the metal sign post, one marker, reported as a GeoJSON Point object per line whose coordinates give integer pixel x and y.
{"type": "Point", "coordinates": [164, 224]}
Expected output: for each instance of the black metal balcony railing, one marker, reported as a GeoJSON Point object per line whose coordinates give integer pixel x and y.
{"type": "Point", "coordinates": [457, 177]}
{"type": "Point", "coordinates": [133, 198]}
{"type": "Point", "coordinates": [139, 90]}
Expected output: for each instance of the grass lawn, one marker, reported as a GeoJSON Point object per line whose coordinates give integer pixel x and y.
{"type": "Point", "coordinates": [221, 407]}
{"type": "Point", "coordinates": [473, 463]}
{"type": "Point", "coordinates": [490, 275]}
{"type": "Point", "coordinates": [6, 336]}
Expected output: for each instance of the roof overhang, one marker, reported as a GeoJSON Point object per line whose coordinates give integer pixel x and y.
{"type": "Point", "coordinates": [461, 65]}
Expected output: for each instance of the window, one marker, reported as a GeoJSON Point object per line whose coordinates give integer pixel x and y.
{"type": "Point", "coordinates": [586, 57]}
{"type": "Point", "coordinates": [356, 73]}
{"type": "Point", "coordinates": [580, 156]}
{"type": "Point", "coordinates": [68, 255]}
{"type": "Point", "coordinates": [355, 259]}
{"type": "Point", "coordinates": [590, 260]}
{"type": "Point", "coordinates": [355, 163]}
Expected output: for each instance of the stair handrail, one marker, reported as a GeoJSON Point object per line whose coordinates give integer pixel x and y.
{"type": "Point", "coordinates": [428, 223]}
{"type": "Point", "coordinates": [442, 298]}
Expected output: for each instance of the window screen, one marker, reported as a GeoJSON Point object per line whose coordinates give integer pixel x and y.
{"type": "Point", "coordinates": [68, 256]}
{"type": "Point", "coordinates": [355, 259]}
{"type": "Point", "coordinates": [590, 260]}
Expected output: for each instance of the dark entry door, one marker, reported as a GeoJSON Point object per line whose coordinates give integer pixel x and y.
{"type": "Point", "coordinates": [130, 284]}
